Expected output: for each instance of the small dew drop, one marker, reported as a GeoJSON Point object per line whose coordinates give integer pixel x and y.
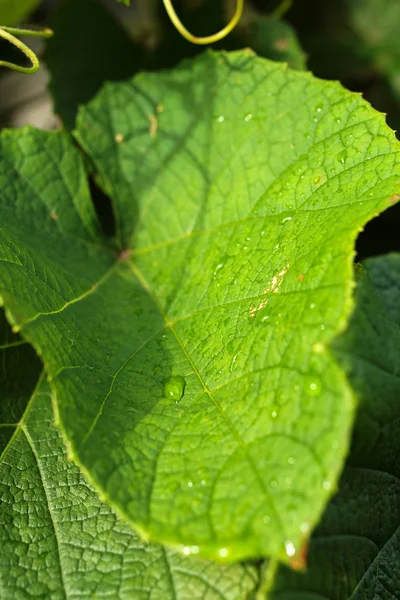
{"type": "Point", "coordinates": [248, 117]}
{"type": "Point", "coordinates": [317, 180]}
{"type": "Point", "coordinates": [218, 267]}
{"type": "Point", "coordinates": [203, 482]}
{"type": "Point", "coordinates": [266, 519]}
{"type": "Point", "coordinates": [194, 549]}
{"type": "Point", "coordinates": [221, 119]}
{"type": "Point", "coordinates": [318, 348]}
{"type": "Point", "coordinates": [273, 484]}
{"type": "Point", "coordinates": [341, 157]}
{"type": "Point", "coordinates": [186, 550]}
{"type": "Point", "coordinates": [287, 219]}
{"type": "Point", "coordinates": [290, 548]}
{"type": "Point", "coordinates": [312, 386]}
{"type": "Point", "coordinates": [190, 484]}
{"type": "Point", "coordinates": [291, 460]}
{"type": "Point", "coordinates": [223, 552]}
{"type": "Point", "coordinates": [327, 485]}
{"type": "Point", "coordinates": [338, 121]}
{"type": "Point", "coordinates": [304, 527]}
{"type": "Point", "coordinates": [174, 388]}
{"type": "Point", "coordinates": [233, 363]}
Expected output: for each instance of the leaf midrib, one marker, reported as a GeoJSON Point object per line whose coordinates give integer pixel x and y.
{"type": "Point", "coordinates": [230, 425]}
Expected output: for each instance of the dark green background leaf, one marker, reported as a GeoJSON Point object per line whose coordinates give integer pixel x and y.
{"type": "Point", "coordinates": [355, 551]}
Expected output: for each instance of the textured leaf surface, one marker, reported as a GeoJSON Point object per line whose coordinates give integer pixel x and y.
{"type": "Point", "coordinates": [238, 188]}
{"type": "Point", "coordinates": [355, 551]}
{"type": "Point", "coordinates": [58, 540]}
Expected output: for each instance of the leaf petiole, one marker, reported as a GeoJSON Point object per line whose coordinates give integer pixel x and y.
{"type": "Point", "coordinates": [211, 39]}
{"type": "Point", "coordinates": [10, 33]}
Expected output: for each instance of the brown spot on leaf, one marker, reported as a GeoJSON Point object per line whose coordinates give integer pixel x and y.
{"type": "Point", "coordinates": [53, 215]}
{"type": "Point", "coordinates": [153, 126]}
{"type": "Point", "coordinates": [394, 198]}
{"type": "Point", "coordinates": [300, 278]}
{"type": "Point", "coordinates": [125, 254]}
{"type": "Point", "coordinates": [299, 561]}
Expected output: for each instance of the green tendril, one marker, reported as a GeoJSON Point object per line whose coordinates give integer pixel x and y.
{"type": "Point", "coordinates": [211, 39]}
{"type": "Point", "coordinates": [9, 33]}
{"type": "Point", "coordinates": [281, 9]}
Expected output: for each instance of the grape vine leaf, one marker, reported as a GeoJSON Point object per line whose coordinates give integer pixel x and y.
{"type": "Point", "coordinates": [190, 365]}
{"type": "Point", "coordinates": [58, 539]}
{"type": "Point", "coordinates": [355, 551]}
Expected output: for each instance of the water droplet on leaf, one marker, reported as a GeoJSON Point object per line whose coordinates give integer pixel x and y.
{"type": "Point", "coordinates": [312, 386]}
{"type": "Point", "coordinates": [174, 388]}
{"type": "Point", "coordinates": [341, 157]}
{"type": "Point", "coordinates": [266, 519]}
{"type": "Point", "coordinates": [290, 548]}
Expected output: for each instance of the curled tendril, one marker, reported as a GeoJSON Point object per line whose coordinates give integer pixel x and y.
{"type": "Point", "coordinates": [211, 39]}
{"type": "Point", "coordinates": [9, 33]}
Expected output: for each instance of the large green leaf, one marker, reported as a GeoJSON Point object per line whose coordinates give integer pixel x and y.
{"type": "Point", "coordinates": [58, 540]}
{"type": "Point", "coordinates": [355, 552]}
{"type": "Point", "coordinates": [12, 12]}
{"type": "Point", "coordinates": [190, 366]}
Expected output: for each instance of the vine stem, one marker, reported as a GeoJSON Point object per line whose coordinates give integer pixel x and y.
{"type": "Point", "coordinates": [281, 9]}
{"type": "Point", "coordinates": [10, 33]}
{"type": "Point", "coordinates": [211, 39]}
